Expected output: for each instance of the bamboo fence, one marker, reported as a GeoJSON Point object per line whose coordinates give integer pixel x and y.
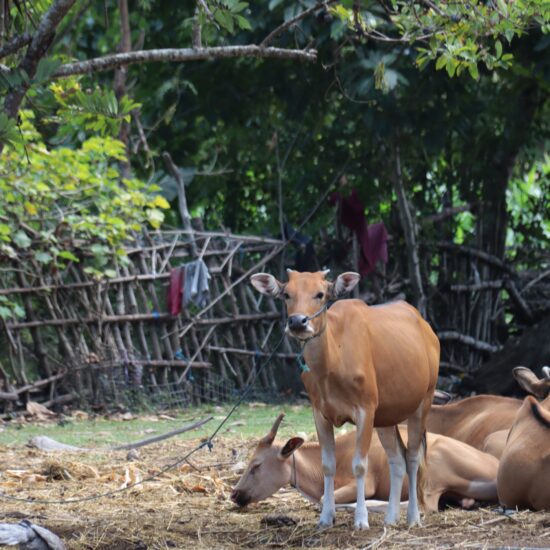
{"type": "Point", "coordinates": [86, 341]}
{"type": "Point", "coordinates": [94, 343]}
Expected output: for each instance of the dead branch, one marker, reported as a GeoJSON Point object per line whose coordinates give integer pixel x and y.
{"type": "Point", "coordinates": [484, 256]}
{"type": "Point", "coordinates": [486, 285]}
{"type": "Point", "coordinates": [181, 55]}
{"type": "Point", "coordinates": [138, 317]}
{"type": "Point", "coordinates": [410, 233]}
{"type": "Point", "coordinates": [468, 340]}
{"type": "Point", "coordinates": [162, 437]}
{"type": "Point", "coordinates": [48, 444]}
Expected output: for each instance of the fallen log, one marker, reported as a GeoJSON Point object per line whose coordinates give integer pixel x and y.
{"type": "Point", "coordinates": [45, 443]}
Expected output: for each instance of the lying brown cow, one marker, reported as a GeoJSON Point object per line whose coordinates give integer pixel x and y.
{"type": "Point", "coordinates": [524, 472]}
{"type": "Point", "coordinates": [454, 469]}
{"type": "Point", "coordinates": [483, 421]}
{"type": "Point", "coordinates": [475, 420]}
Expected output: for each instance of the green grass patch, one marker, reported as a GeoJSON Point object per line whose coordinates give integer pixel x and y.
{"type": "Point", "coordinates": [249, 421]}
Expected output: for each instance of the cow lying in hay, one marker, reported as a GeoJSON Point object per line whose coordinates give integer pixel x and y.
{"type": "Point", "coordinates": [370, 366]}
{"type": "Point", "coordinates": [454, 470]}
{"type": "Point", "coordinates": [523, 479]}
{"type": "Point", "coordinates": [481, 421]}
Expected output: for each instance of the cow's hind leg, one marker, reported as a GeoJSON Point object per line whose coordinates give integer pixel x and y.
{"type": "Point", "coordinates": [325, 432]}
{"type": "Point", "coordinates": [364, 423]}
{"type": "Point", "coordinates": [415, 455]}
{"type": "Point", "coordinates": [396, 452]}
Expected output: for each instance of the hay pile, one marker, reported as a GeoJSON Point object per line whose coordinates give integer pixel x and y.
{"type": "Point", "coordinates": [189, 507]}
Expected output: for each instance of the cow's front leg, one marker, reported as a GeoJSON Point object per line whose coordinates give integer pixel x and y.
{"type": "Point", "coordinates": [325, 433]}
{"type": "Point", "coordinates": [360, 463]}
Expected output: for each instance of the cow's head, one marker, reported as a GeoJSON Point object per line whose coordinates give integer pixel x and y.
{"type": "Point", "coordinates": [531, 383]}
{"type": "Point", "coordinates": [268, 470]}
{"type": "Point", "coordinates": [305, 294]}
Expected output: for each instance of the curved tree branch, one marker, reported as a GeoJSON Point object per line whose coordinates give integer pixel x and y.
{"type": "Point", "coordinates": [15, 44]}
{"type": "Point", "coordinates": [114, 61]}
{"type": "Point", "coordinates": [36, 51]}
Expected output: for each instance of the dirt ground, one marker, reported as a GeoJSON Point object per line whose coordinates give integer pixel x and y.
{"type": "Point", "coordinates": [189, 508]}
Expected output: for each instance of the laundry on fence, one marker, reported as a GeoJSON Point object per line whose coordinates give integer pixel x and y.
{"type": "Point", "coordinates": [175, 290]}
{"type": "Point", "coordinates": [373, 239]}
{"type": "Point", "coordinates": [188, 284]}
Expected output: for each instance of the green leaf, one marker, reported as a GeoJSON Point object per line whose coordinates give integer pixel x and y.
{"type": "Point", "coordinates": [224, 19]}
{"type": "Point", "coordinates": [503, 7]}
{"type": "Point", "coordinates": [441, 62]}
{"type": "Point", "coordinates": [21, 239]}
{"type": "Point", "coordinates": [498, 49]}
{"type": "Point", "coordinates": [155, 217]}
{"type": "Point", "coordinates": [43, 257]}
{"type": "Point", "coordinates": [472, 69]}
{"type": "Point", "coordinates": [5, 312]}
{"type": "Point", "coordinates": [243, 22]}
{"type": "Point", "coordinates": [68, 256]}
{"type": "Point", "coordinates": [46, 67]}
{"type": "Point", "coordinates": [451, 66]}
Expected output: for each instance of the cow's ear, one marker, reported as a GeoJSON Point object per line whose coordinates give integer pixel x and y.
{"type": "Point", "coordinates": [266, 284]}
{"type": "Point", "coordinates": [344, 283]}
{"type": "Point", "coordinates": [290, 446]}
{"type": "Point", "coordinates": [529, 381]}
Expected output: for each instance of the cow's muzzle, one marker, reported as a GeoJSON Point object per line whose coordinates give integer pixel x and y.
{"type": "Point", "coordinates": [298, 323]}
{"type": "Point", "coordinates": [239, 497]}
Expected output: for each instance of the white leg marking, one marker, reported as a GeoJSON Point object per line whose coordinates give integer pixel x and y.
{"type": "Point", "coordinates": [398, 465]}
{"type": "Point", "coordinates": [360, 466]}
{"type": "Point", "coordinates": [325, 431]}
{"type": "Point", "coordinates": [413, 513]}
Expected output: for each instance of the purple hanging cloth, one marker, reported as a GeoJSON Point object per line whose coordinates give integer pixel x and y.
{"type": "Point", "coordinates": [373, 239]}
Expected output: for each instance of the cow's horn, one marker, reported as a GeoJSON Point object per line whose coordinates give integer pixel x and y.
{"type": "Point", "coordinates": [546, 371]}
{"type": "Point", "coordinates": [269, 438]}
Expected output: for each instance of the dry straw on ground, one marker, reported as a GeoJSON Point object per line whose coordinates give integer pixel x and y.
{"type": "Point", "coordinates": [189, 507]}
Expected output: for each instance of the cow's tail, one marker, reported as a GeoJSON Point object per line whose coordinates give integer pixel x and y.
{"type": "Point", "coordinates": [422, 476]}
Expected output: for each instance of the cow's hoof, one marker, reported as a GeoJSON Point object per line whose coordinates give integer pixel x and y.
{"type": "Point", "coordinates": [391, 520]}
{"type": "Point", "coordinates": [361, 524]}
{"type": "Point", "coordinates": [325, 523]}
{"type": "Point", "coordinates": [414, 521]}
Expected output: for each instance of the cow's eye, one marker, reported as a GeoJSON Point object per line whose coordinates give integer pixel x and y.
{"type": "Point", "coordinates": [286, 296]}
{"type": "Point", "coordinates": [320, 296]}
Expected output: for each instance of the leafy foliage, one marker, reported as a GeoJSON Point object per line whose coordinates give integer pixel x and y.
{"type": "Point", "coordinates": [63, 205]}
{"type": "Point", "coordinates": [458, 35]}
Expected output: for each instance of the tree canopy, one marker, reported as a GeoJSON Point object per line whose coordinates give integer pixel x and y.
{"type": "Point", "coordinates": [265, 108]}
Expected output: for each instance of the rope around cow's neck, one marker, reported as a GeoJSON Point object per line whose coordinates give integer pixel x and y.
{"type": "Point", "coordinates": [305, 341]}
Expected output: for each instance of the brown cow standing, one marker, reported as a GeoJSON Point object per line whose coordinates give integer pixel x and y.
{"type": "Point", "coordinates": [371, 366]}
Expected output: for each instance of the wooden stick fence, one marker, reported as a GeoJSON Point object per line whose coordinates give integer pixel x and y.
{"type": "Point", "coordinates": [88, 340]}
